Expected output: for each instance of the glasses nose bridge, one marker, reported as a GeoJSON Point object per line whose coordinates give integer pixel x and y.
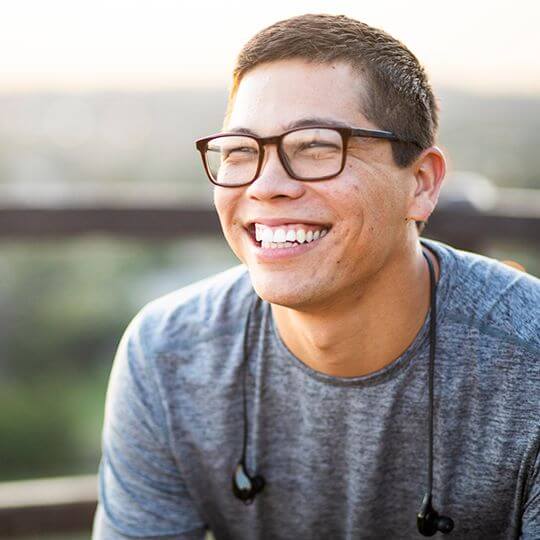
{"type": "Point", "coordinates": [265, 141]}
{"type": "Point", "coordinates": [274, 140]}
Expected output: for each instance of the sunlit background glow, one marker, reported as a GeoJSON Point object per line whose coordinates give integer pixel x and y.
{"type": "Point", "coordinates": [128, 44]}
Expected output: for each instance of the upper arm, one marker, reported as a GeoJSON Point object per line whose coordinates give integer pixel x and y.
{"type": "Point", "coordinates": [141, 491]}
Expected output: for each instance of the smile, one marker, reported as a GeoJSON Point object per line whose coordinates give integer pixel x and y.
{"type": "Point", "coordinates": [285, 240]}
{"type": "Point", "coordinates": [278, 237]}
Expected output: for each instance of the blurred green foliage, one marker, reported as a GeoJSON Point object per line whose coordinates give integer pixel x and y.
{"type": "Point", "coordinates": [64, 307]}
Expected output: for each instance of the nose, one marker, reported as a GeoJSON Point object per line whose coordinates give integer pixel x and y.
{"type": "Point", "coordinates": [273, 180]}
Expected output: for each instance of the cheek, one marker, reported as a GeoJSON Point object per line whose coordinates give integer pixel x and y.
{"type": "Point", "coordinates": [381, 199]}
{"type": "Point", "coordinates": [225, 204]}
{"type": "Point", "coordinates": [352, 202]}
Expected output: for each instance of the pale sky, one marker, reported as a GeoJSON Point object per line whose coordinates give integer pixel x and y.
{"type": "Point", "coordinates": [483, 45]}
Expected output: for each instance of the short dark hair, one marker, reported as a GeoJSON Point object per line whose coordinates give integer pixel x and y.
{"type": "Point", "coordinates": [398, 95]}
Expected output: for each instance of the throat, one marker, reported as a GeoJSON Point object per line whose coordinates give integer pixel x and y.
{"type": "Point", "coordinates": [370, 334]}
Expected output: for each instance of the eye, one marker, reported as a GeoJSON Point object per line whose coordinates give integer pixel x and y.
{"type": "Point", "coordinates": [243, 149]}
{"type": "Point", "coordinates": [316, 149]}
{"type": "Point", "coordinates": [317, 144]}
{"type": "Point", "coordinates": [239, 151]}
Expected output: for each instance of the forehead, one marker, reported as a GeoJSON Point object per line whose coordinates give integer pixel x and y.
{"type": "Point", "coordinates": [274, 95]}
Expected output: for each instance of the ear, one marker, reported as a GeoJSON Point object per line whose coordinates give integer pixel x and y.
{"type": "Point", "coordinates": [428, 171]}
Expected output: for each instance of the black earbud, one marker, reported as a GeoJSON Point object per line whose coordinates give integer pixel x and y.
{"type": "Point", "coordinates": [245, 487]}
{"type": "Point", "coordinates": [429, 521]}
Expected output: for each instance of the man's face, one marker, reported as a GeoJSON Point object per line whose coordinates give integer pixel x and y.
{"type": "Point", "coordinates": [363, 209]}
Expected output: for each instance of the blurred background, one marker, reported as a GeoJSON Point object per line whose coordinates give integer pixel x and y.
{"type": "Point", "coordinates": [104, 205]}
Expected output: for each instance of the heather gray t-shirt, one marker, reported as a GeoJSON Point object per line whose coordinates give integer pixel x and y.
{"type": "Point", "coordinates": [343, 458]}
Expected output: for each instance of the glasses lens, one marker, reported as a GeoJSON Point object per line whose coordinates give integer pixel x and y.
{"type": "Point", "coordinates": [232, 160]}
{"type": "Point", "coordinates": [314, 153]}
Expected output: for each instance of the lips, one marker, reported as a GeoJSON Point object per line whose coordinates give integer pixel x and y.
{"type": "Point", "coordinates": [271, 252]}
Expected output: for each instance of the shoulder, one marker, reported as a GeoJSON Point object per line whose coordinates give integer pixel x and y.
{"type": "Point", "coordinates": [190, 315]}
{"type": "Point", "coordinates": [498, 300]}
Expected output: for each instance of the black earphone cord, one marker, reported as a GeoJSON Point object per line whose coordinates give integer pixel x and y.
{"type": "Point", "coordinates": [428, 520]}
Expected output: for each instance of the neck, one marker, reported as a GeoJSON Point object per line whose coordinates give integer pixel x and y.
{"type": "Point", "coordinates": [352, 339]}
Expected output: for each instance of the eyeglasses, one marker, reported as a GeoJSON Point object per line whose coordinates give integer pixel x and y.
{"type": "Point", "coordinates": [308, 154]}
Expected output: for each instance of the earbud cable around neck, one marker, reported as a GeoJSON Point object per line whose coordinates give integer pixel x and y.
{"type": "Point", "coordinates": [245, 362]}
{"type": "Point", "coordinates": [432, 342]}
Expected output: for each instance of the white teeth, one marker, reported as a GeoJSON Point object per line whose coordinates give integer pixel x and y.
{"type": "Point", "coordinates": [282, 237]}
{"type": "Point", "coordinates": [267, 235]}
{"type": "Point", "coordinates": [291, 236]}
{"type": "Point", "coordinates": [273, 245]}
{"type": "Point", "coordinates": [279, 235]}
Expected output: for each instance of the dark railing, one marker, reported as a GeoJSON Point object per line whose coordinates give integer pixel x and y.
{"type": "Point", "coordinates": [513, 215]}
{"type": "Point", "coordinates": [68, 504]}
{"type": "Point", "coordinates": [54, 505]}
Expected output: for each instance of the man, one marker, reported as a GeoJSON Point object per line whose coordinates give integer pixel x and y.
{"type": "Point", "coordinates": [289, 397]}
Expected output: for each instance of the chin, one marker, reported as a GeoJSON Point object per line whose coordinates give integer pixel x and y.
{"type": "Point", "coordinates": [284, 293]}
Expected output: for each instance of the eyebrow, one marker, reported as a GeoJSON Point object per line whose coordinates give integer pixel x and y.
{"type": "Point", "coordinates": [316, 121]}
{"type": "Point", "coordinates": [301, 122]}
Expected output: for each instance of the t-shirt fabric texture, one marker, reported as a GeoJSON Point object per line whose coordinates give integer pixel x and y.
{"type": "Point", "coordinates": [343, 458]}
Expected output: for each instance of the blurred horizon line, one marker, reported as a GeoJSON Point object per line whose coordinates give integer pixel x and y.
{"type": "Point", "coordinates": [113, 89]}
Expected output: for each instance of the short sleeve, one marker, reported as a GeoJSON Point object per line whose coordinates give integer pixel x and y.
{"type": "Point", "coordinates": [141, 491]}
{"type": "Point", "coordinates": [530, 521]}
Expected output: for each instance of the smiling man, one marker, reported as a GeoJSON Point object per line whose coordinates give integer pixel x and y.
{"type": "Point", "coordinates": [348, 380]}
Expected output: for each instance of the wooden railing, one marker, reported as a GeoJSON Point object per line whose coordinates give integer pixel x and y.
{"type": "Point", "coordinates": [137, 211]}
{"type": "Point", "coordinates": [54, 505]}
